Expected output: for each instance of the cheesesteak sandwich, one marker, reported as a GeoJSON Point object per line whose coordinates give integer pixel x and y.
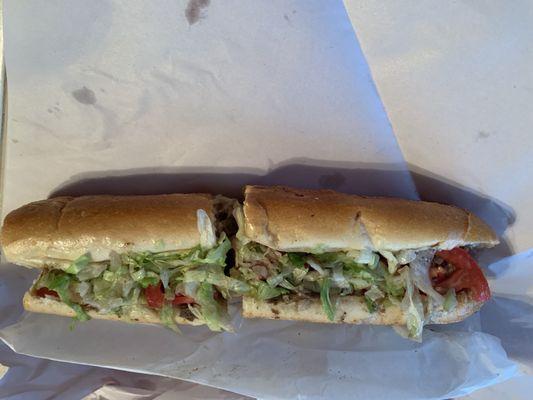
{"type": "Point", "coordinates": [322, 256]}
{"type": "Point", "coordinates": [149, 259]}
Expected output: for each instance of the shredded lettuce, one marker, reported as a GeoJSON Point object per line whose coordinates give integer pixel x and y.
{"type": "Point", "coordinates": [313, 264]}
{"type": "Point", "coordinates": [215, 276]}
{"type": "Point", "coordinates": [298, 274]}
{"type": "Point", "coordinates": [206, 229]}
{"type": "Point", "coordinates": [167, 315]}
{"type": "Point", "coordinates": [359, 284]}
{"type": "Point", "coordinates": [217, 255]}
{"type": "Point", "coordinates": [325, 298]}
{"type": "Point", "coordinates": [374, 294]}
{"type": "Point", "coordinates": [450, 301]}
{"type": "Point", "coordinates": [117, 285]}
{"type": "Point", "coordinates": [370, 305]}
{"type": "Point", "coordinates": [210, 310]}
{"type": "Point", "coordinates": [364, 257]}
{"type": "Point", "coordinates": [394, 285]}
{"type": "Point", "coordinates": [326, 258]}
{"type": "Point", "coordinates": [94, 271]}
{"type": "Point", "coordinates": [338, 277]}
{"type": "Point", "coordinates": [297, 259]}
{"type": "Point", "coordinates": [405, 256]}
{"type": "Point", "coordinates": [371, 298]}
{"type": "Point", "coordinates": [349, 273]}
{"type": "Point", "coordinates": [419, 270]}
{"type": "Point", "coordinates": [59, 282]}
{"type": "Point", "coordinates": [265, 292]}
{"type": "Point", "coordinates": [382, 279]}
{"type": "Point", "coordinates": [79, 264]}
{"type": "Point", "coordinates": [392, 262]}
{"type": "Point", "coordinates": [413, 309]}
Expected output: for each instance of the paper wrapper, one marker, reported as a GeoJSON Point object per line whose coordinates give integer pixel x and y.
{"type": "Point", "coordinates": [138, 97]}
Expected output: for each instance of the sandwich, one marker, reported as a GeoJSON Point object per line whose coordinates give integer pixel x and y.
{"type": "Point", "coordinates": [323, 256]}
{"type": "Point", "coordinates": [149, 259]}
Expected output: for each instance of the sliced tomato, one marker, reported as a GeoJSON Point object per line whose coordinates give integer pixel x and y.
{"type": "Point", "coordinates": [182, 299]}
{"type": "Point", "coordinates": [155, 296]}
{"type": "Point", "coordinates": [43, 292]}
{"type": "Point", "coordinates": [466, 276]}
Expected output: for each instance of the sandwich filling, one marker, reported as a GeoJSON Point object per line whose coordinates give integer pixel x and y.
{"type": "Point", "coordinates": [191, 284]}
{"type": "Point", "coordinates": [416, 281]}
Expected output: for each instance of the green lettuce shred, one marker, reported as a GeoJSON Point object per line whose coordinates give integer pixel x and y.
{"type": "Point", "coordinates": [60, 282]}
{"type": "Point", "coordinates": [450, 301]}
{"type": "Point", "coordinates": [117, 285]}
{"type": "Point", "coordinates": [210, 311]}
{"type": "Point", "coordinates": [266, 292]}
{"type": "Point", "coordinates": [370, 305]}
{"type": "Point", "coordinates": [413, 308]}
{"type": "Point", "coordinates": [380, 282]}
{"type": "Point", "coordinates": [79, 264]}
{"type": "Point", "coordinates": [297, 259]}
{"type": "Point", "coordinates": [325, 298]}
{"type": "Point", "coordinates": [167, 315]}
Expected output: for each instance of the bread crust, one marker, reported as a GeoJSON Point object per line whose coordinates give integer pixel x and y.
{"type": "Point", "coordinates": [143, 315]}
{"type": "Point", "coordinates": [65, 228]}
{"type": "Point", "coordinates": [288, 219]}
{"type": "Point", "coordinates": [351, 310]}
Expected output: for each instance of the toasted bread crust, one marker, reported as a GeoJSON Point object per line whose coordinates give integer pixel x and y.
{"type": "Point", "coordinates": [289, 219]}
{"type": "Point", "coordinates": [64, 228]}
{"type": "Point", "coordinates": [351, 310]}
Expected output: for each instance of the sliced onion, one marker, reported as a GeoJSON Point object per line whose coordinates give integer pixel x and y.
{"type": "Point", "coordinates": [392, 262]}
{"type": "Point", "coordinates": [364, 257]}
{"type": "Point", "coordinates": [126, 288]}
{"type": "Point", "coordinates": [374, 293]}
{"type": "Point", "coordinates": [190, 289]}
{"type": "Point", "coordinates": [82, 289]}
{"type": "Point", "coordinates": [338, 278]}
{"type": "Point", "coordinates": [93, 271]}
{"type": "Point", "coordinates": [206, 229]}
{"type": "Point", "coordinates": [165, 275]}
{"type": "Point", "coordinates": [405, 256]}
{"type": "Point", "coordinates": [315, 266]}
{"type": "Point", "coordinates": [115, 261]}
{"type": "Point", "coordinates": [419, 271]}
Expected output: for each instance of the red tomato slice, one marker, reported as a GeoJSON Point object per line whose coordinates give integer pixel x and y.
{"type": "Point", "coordinates": [467, 274]}
{"type": "Point", "coordinates": [155, 297]}
{"type": "Point", "coordinates": [42, 292]}
{"type": "Point", "coordinates": [182, 299]}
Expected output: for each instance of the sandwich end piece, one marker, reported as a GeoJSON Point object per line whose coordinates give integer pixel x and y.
{"type": "Point", "coordinates": [479, 233]}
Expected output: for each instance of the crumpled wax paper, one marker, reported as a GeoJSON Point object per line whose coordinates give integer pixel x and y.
{"type": "Point", "coordinates": [139, 97]}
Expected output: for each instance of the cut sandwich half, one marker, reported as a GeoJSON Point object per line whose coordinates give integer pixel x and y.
{"type": "Point", "coordinates": [149, 259]}
{"type": "Point", "coordinates": [322, 256]}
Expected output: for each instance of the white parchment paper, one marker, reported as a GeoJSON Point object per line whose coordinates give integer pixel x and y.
{"type": "Point", "coordinates": [151, 97]}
